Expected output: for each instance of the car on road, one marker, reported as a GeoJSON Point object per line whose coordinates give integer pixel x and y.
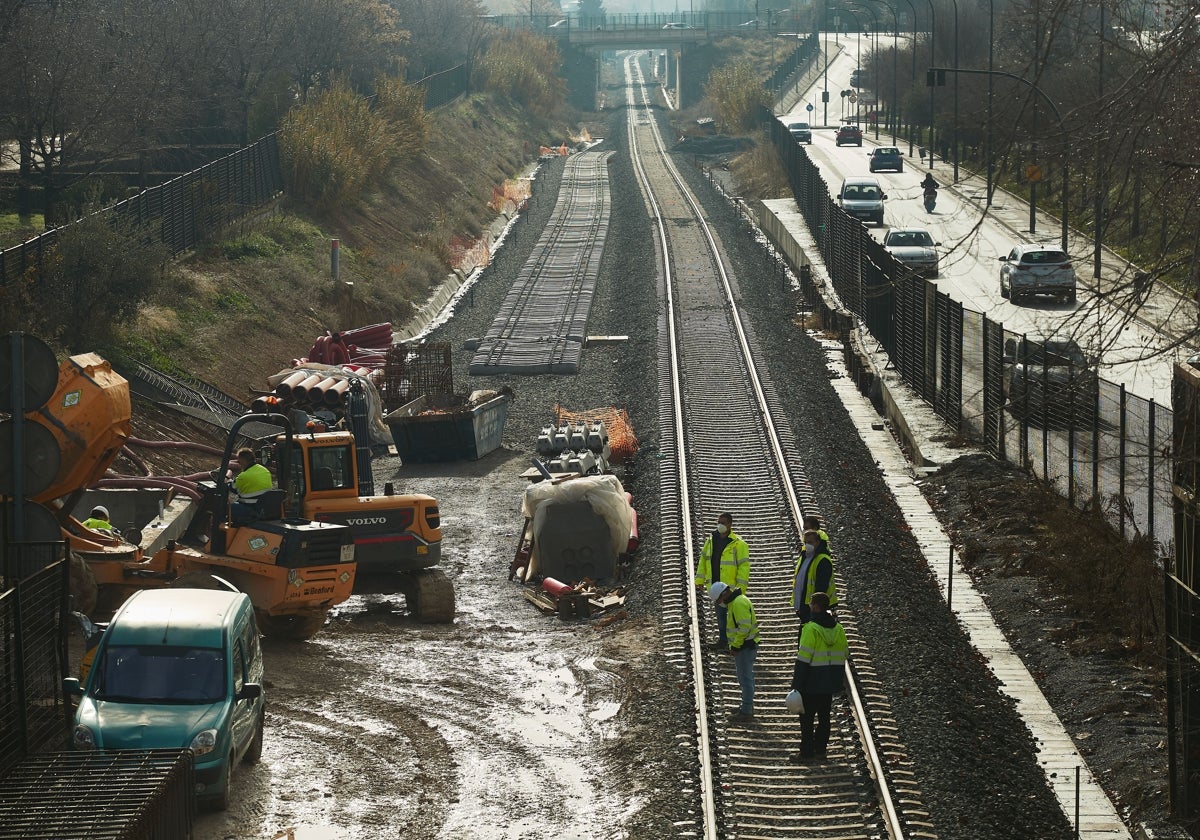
{"type": "Point", "coordinates": [751, 24]}
{"type": "Point", "coordinates": [678, 26]}
{"type": "Point", "coordinates": [915, 248]}
{"type": "Point", "coordinates": [856, 78]}
{"type": "Point", "coordinates": [559, 24]}
{"type": "Point", "coordinates": [1030, 269]}
{"type": "Point", "coordinates": [1050, 379]}
{"type": "Point", "coordinates": [801, 132]}
{"type": "Point", "coordinates": [862, 197]}
{"type": "Point", "coordinates": [886, 157]}
{"type": "Point", "coordinates": [848, 135]}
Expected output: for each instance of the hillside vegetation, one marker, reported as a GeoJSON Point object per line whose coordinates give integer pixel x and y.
{"type": "Point", "coordinates": [244, 307]}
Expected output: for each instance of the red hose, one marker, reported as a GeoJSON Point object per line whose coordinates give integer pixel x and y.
{"type": "Point", "coordinates": [174, 444]}
{"type": "Point", "coordinates": [137, 462]}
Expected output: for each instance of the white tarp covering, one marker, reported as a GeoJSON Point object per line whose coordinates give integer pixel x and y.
{"type": "Point", "coordinates": [603, 492]}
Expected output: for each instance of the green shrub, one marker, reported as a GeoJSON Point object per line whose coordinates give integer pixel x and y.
{"type": "Point", "coordinates": [337, 145]}
{"type": "Point", "coordinates": [251, 246]}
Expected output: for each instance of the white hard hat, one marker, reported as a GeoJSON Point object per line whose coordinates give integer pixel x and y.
{"type": "Point", "coordinates": [100, 509]}
{"type": "Point", "coordinates": [715, 591]}
{"type": "Point", "coordinates": [794, 702]}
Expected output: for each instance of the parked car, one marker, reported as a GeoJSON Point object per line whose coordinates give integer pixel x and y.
{"type": "Point", "coordinates": [915, 248]}
{"type": "Point", "coordinates": [886, 157]}
{"type": "Point", "coordinates": [862, 197]}
{"type": "Point", "coordinates": [801, 132]}
{"type": "Point", "coordinates": [1031, 269]}
{"type": "Point", "coordinates": [178, 668]}
{"type": "Point", "coordinates": [848, 134]}
{"type": "Point", "coordinates": [1051, 379]}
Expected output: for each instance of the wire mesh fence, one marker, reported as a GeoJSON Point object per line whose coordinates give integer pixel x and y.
{"type": "Point", "coordinates": [1036, 403]}
{"type": "Point", "coordinates": [32, 651]}
{"type": "Point", "coordinates": [179, 213]}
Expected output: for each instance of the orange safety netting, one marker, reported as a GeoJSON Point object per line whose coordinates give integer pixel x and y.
{"type": "Point", "coordinates": [622, 442]}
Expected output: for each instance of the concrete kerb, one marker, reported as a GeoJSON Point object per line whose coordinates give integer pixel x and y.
{"type": "Point", "coordinates": [919, 430]}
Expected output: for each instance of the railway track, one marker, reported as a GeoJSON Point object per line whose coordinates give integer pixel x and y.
{"type": "Point", "coordinates": [726, 446]}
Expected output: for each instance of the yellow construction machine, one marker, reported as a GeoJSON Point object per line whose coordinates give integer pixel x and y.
{"type": "Point", "coordinates": [293, 569]}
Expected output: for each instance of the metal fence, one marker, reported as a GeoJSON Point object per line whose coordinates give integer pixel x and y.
{"type": "Point", "coordinates": [33, 602]}
{"type": "Point", "coordinates": [1094, 442]}
{"type": "Point", "coordinates": [178, 213]}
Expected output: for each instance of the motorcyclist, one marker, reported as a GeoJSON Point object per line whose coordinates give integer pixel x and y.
{"type": "Point", "coordinates": [929, 186]}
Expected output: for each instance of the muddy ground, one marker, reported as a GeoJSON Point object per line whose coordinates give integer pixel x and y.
{"type": "Point", "coordinates": [512, 724]}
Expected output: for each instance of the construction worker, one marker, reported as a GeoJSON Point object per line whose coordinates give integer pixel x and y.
{"type": "Point", "coordinates": [98, 521]}
{"type": "Point", "coordinates": [733, 558]}
{"type": "Point", "coordinates": [818, 674]}
{"type": "Point", "coordinates": [813, 573]}
{"type": "Point", "coordinates": [743, 643]}
{"type": "Point", "coordinates": [252, 479]}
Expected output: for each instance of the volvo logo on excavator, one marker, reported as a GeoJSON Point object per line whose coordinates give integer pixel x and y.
{"type": "Point", "coordinates": [369, 520]}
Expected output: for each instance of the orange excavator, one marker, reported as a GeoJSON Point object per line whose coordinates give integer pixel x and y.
{"type": "Point", "coordinates": [293, 569]}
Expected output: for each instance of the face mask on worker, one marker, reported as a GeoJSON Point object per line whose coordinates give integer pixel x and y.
{"type": "Point", "coordinates": [722, 528]}
{"type": "Point", "coordinates": [810, 549]}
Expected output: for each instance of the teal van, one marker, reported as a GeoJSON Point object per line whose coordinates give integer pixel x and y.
{"type": "Point", "coordinates": [178, 668]}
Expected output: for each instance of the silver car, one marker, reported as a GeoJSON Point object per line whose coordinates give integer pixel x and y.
{"type": "Point", "coordinates": [915, 248]}
{"type": "Point", "coordinates": [1030, 269]}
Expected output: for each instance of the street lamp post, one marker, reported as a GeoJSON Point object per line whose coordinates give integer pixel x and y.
{"type": "Point", "coordinates": [1057, 115]}
{"type": "Point", "coordinates": [913, 81]}
{"type": "Point", "coordinates": [954, 128]}
{"type": "Point", "coordinates": [895, 120]}
{"type": "Point", "coordinates": [875, 21]}
{"type": "Point", "coordinates": [991, 155]}
{"type": "Point", "coordinates": [932, 59]}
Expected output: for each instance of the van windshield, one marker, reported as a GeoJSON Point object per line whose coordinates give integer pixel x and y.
{"type": "Point", "coordinates": [159, 674]}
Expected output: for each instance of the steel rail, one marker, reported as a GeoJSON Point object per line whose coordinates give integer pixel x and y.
{"type": "Point", "coordinates": [769, 812]}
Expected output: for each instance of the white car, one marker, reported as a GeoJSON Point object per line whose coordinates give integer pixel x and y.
{"type": "Point", "coordinates": [915, 248]}
{"type": "Point", "coordinates": [1031, 269]}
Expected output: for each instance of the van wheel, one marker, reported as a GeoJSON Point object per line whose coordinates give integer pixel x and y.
{"type": "Point", "coordinates": [254, 751]}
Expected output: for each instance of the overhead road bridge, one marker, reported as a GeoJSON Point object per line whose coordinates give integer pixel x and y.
{"type": "Point", "coordinates": [674, 34]}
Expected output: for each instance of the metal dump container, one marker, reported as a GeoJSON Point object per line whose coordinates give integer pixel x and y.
{"type": "Point", "coordinates": [423, 435]}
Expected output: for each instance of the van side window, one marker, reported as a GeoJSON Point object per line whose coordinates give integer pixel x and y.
{"type": "Point", "coordinates": [239, 667]}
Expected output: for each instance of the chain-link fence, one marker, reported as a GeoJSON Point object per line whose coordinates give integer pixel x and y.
{"type": "Point", "coordinates": [179, 213]}
{"type": "Point", "coordinates": [1040, 404]}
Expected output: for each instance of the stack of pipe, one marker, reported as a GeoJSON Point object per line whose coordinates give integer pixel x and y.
{"type": "Point", "coordinates": [364, 347]}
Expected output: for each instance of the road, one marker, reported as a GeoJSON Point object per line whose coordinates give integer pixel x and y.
{"type": "Point", "coordinates": [1135, 350]}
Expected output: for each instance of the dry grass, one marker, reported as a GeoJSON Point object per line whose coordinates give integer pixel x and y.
{"type": "Point", "coordinates": [244, 307]}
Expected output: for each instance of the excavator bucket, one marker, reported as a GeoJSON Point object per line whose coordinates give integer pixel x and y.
{"type": "Point", "coordinates": [88, 420]}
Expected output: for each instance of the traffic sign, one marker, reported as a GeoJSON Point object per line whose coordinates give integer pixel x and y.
{"type": "Point", "coordinates": [808, 107]}
{"type": "Point", "coordinates": [853, 97]}
{"type": "Point", "coordinates": [1033, 172]}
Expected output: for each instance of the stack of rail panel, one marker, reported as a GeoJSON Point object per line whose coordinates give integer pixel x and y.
{"type": "Point", "coordinates": [542, 322]}
{"type": "Point", "coordinates": [143, 794]}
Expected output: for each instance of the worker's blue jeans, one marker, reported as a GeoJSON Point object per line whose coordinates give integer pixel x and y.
{"type": "Point", "coordinates": [743, 666]}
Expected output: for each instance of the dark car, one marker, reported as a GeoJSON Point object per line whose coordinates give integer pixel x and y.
{"type": "Point", "coordinates": [886, 157]}
{"type": "Point", "coordinates": [801, 132]}
{"type": "Point", "coordinates": [1050, 379]}
{"type": "Point", "coordinates": [848, 135]}
{"type": "Point", "coordinates": [856, 78]}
